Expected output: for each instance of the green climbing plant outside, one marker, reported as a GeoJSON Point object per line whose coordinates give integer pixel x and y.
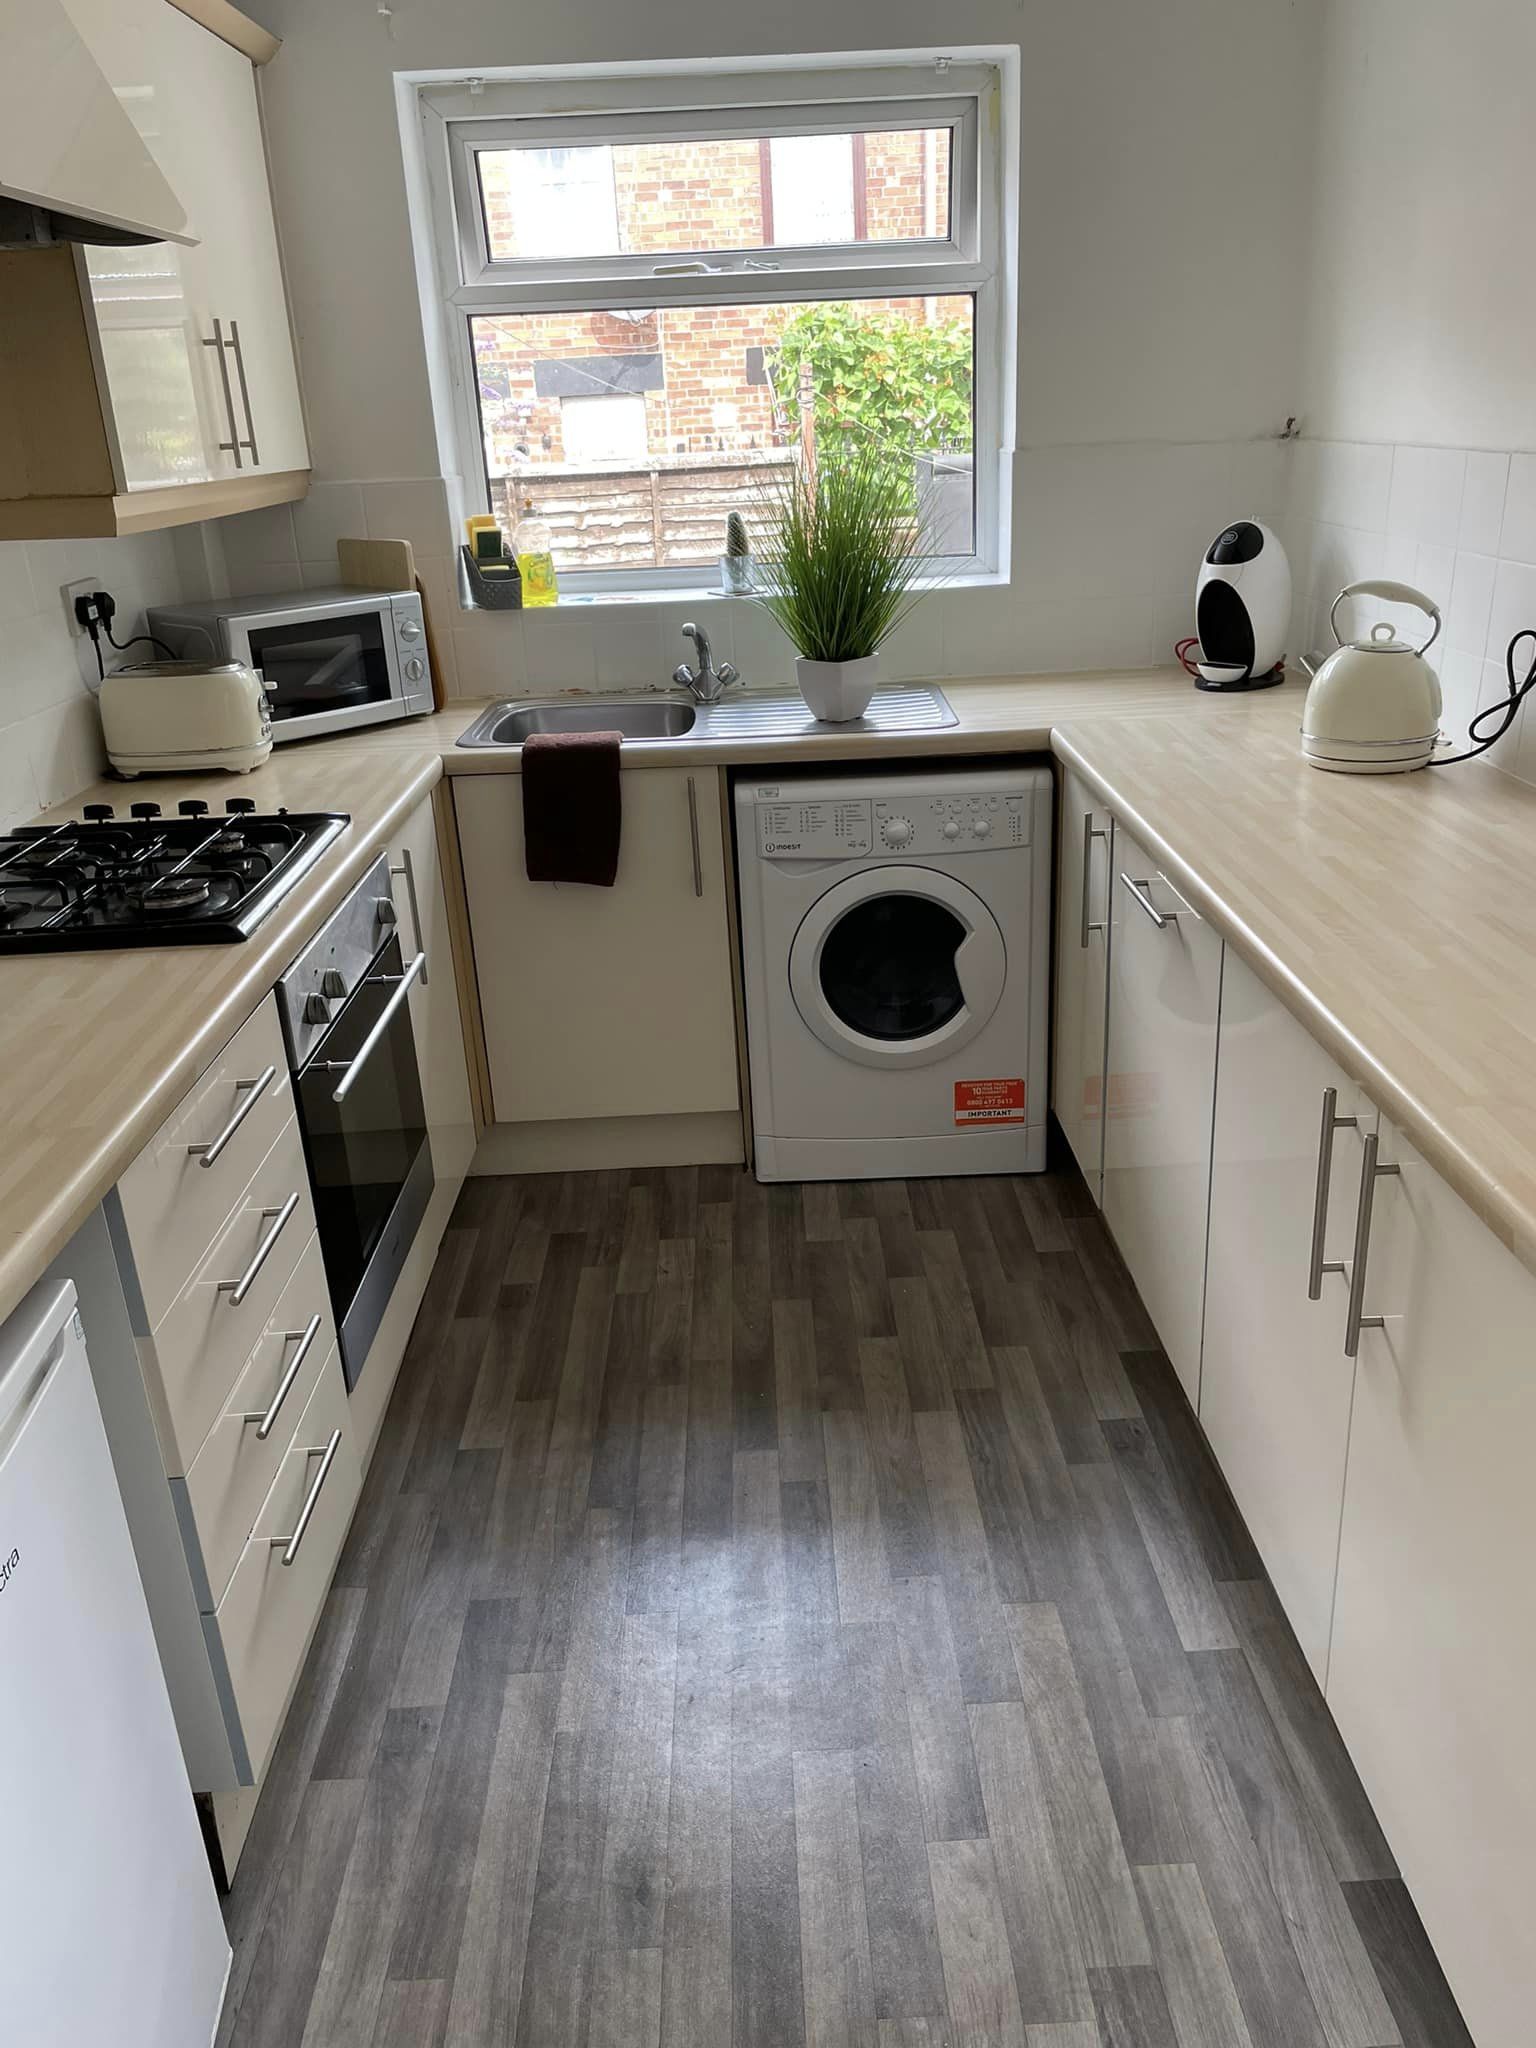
{"type": "Point", "coordinates": [907, 384]}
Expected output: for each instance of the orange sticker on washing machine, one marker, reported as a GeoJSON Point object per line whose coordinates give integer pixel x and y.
{"type": "Point", "coordinates": [989, 1102]}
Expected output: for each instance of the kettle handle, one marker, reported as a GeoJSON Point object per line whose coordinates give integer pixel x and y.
{"type": "Point", "coordinates": [1391, 593]}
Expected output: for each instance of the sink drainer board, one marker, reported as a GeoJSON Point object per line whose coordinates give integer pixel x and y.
{"type": "Point", "coordinates": [919, 708]}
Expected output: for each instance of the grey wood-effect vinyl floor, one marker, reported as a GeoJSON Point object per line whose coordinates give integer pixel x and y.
{"type": "Point", "coordinates": [807, 1617]}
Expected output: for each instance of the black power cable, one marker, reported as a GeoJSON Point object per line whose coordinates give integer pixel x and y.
{"type": "Point", "coordinates": [1505, 710]}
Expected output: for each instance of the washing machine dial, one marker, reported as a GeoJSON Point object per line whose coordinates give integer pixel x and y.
{"type": "Point", "coordinates": [951, 828]}
{"type": "Point", "coordinates": [897, 832]}
{"type": "Point", "coordinates": [981, 827]}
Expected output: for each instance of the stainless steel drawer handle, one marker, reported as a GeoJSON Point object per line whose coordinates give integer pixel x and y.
{"type": "Point", "coordinates": [253, 1092]}
{"type": "Point", "coordinates": [217, 342]}
{"type": "Point", "coordinates": [1371, 1171]}
{"type": "Point", "coordinates": [1090, 833]}
{"type": "Point", "coordinates": [245, 393]}
{"type": "Point", "coordinates": [290, 1544]}
{"type": "Point", "coordinates": [1139, 891]}
{"type": "Point", "coordinates": [350, 1069]}
{"type": "Point", "coordinates": [265, 1419]}
{"type": "Point", "coordinates": [407, 873]}
{"type": "Point", "coordinates": [1331, 1122]}
{"type": "Point", "coordinates": [237, 1290]}
{"type": "Point", "coordinates": [693, 834]}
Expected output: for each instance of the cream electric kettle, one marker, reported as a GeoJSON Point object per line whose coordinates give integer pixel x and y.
{"type": "Point", "coordinates": [1374, 705]}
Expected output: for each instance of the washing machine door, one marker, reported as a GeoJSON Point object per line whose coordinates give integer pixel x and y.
{"type": "Point", "coordinates": [897, 966]}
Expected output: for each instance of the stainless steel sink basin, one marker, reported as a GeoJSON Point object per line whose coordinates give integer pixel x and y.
{"type": "Point", "coordinates": [637, 718]}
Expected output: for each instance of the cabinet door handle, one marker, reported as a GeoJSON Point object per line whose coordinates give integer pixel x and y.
{"type": "Point", "coordinates": [219, 345]}
{"type": "Point", "coordinates": [290, 1544]}
{"type": "Point", "coordinates": [253, 1092]}
{"type": "Point", "coordinates": [265, 1419]}
{"type": "Point", "coordinates": [245, 394]}
{"type": "Point", "coordinates": [1371, 1171]}
{"type": "Point", "coordinates": [407, 873]}
{"type": "Point", "coordinates": [1331, 1122]}
{"type": "Point", "coordinates": [237, 1290]}
{"type": "Point", "coordinates": [1139, 891]}
{"type": "Point", "coordinates": [1090, 833]}
{"type": "Point", "coordinates": [693, 834]}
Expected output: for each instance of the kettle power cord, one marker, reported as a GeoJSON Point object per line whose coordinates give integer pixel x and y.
{"type": "Point", "coordinates": [1505, 711]}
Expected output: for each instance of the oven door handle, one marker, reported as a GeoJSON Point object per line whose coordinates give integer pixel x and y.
{"type": "Point", "coordinates": [350, 1069]}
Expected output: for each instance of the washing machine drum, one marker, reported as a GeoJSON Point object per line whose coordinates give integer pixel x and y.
{"type": "Point", "coordinates": [897, 967]}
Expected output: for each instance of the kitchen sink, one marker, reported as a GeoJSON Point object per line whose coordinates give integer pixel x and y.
{"type": "Point", "coordinates": [637, 718]}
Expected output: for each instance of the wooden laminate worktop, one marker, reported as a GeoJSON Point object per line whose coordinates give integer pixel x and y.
{"type": "Point", "coordinates": [1393, 915]}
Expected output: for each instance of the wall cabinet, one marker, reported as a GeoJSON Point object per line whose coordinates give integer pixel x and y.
{"type": "Point", "coordinates": [1433, 1664]}
{"type": "Point", "coordinates": [422, 906]}
{"type": "Point", "coordinates": [1165, 996]}
{"type": "Point", "coordinates": [1275, 1385]}
{"type": "Point", "coordinates": [602, 1003]}
{"type": "Point", "coordinates": [1085, 865]}
{"type": "Point", "coordinates": [149, 385]}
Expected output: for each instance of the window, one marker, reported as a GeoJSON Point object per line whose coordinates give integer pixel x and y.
{"type": "Point", "coordinates": [648, 315]}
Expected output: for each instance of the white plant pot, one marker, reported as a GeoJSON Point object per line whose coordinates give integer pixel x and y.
{"type": "Point", "coordinates": [837, 691]}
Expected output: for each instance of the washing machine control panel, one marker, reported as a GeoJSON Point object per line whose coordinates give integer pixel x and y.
{"type": "Point", "coordinates": [808, 827]}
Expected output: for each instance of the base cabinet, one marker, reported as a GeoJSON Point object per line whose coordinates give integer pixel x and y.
{"type": "Point", "coordinates": [1275, 1385]}
{"type": "Point", "coordinates": [1433, 1664]}
{"type": "Point", "coordinates": [604, 1002]}
{"type": "Point", "coordinates": [1085, 865]}
{"type": "Point", "coordinates": [1165, 998]}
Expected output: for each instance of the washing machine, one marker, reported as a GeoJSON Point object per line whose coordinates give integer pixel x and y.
{"type": "Point", "coordinates": [895, 932]}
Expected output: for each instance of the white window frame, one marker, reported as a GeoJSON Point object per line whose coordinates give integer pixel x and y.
{"type": "Point", "coordinates": [460, 279]}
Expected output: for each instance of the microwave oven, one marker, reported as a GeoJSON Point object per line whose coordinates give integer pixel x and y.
{"type": "Point", "coordinates": [330, 659]}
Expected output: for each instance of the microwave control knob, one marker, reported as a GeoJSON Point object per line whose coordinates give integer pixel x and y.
{"type": "Point", "coordinates": [386, 913]}
{"type": "Point", "coordinates": [409, 630]}
{"type": "Point", "coordinates": [316, 1009]}
{"type": "Point", "coordinates": [333, 982]}
{"type": "Point", "coordinates": [415, 669]}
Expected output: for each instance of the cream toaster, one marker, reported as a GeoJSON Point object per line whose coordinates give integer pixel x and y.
{"type": "Point", "coordinates": [161, 716]}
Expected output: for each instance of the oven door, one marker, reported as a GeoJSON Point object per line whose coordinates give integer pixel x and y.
{"type": "Point", "coordinates": [325, 669]}
{"type": "Point", "coordinates": [365, 1135]}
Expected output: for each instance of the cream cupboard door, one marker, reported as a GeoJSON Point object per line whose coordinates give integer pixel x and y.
{"type": "Point", "coordinates": [423, 911]}
{"type": "Point", "coordinates": [1164, 998]}
{"type": "Point", "coordinates": [194, 342]}
{"type": "Point", "coordinates": [1433, 1666]}
{"type": "Point", "coordinates": [1084, 866]}
{"type": "Point", "coordinates": [604, 1002]}
{"type": "Point", "coordinates": [1274, 1385]}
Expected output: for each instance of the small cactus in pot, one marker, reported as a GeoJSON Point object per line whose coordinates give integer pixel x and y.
{"type": "Point", "coordinates": [736, 562]}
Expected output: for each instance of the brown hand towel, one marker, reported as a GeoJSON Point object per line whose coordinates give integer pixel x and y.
{"type": "Point", "coordinates": [571, 808]}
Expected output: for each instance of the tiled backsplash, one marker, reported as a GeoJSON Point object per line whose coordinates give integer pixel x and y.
{"type": "Point", "coordinates": [50, 735]}
{"type": "Point", "coordinates": [1107, 542]}
{"type": "Point", "coordinates": [1459, 524]}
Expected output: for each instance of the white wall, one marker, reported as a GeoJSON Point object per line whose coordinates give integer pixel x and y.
{"type": "Point", "coordinates": [1419, 392]}
{"type": "Point", "coordinates": [50, 735]}
{"type": "Point", "coordinates": [1162, 255]}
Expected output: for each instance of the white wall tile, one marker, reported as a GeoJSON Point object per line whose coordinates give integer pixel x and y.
{"type": "Point", "coordinates": [1517, 538]}
{"type": "Point", "coordinates": [1466, 620]}
{"type": "Point", "coordinates": [559, 649]}
{"type": "Point", "coordinates": [1461, 688]}
{"type": "Point", "coordinates": [1514, 606]}
{"type": "Point", "coordinates": [266, 534]}
{"type": "Point", "coordinates": [413, 509]}
{"type": "Point", "coordinates": [1424, 501]}
{"type": "Point", "coordinates": [1482, 502]}
{"type": "Point", "coordinates": [1354, 480]}
{"type": "Point", "coordinates": [1509, 751]}
{"type": "Point", "coordinates": [489, 656]}
{"type": "Point", "coordinates": [1434, 569]}
{"type": "Point", "coordinates": [17, 599]}
{"type": "Point", "coordinates": [331, 512]}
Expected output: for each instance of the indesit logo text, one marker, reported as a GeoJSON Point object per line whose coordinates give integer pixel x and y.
{"type": "Point", "coordinates": [7, 1568]}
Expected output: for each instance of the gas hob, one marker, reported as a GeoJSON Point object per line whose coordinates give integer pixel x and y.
{"type": "Point", "coordinates": [198, 879]}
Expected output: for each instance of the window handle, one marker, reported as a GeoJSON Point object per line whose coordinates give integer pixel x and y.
{"type": "Point", "coordinates": [693, 269]}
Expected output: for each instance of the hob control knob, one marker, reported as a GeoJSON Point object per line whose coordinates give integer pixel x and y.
{"type": "Point", "coordinates": [951, 828]}
{"type": "Point", "coordinates": [192, 807]}
{"type": "Point", "coordinates": [143, 810]}
{"type": "Point", "coordinates": [981, 828]}
{"type": "Point", "coordinates": [897, 831]}
{"type": "Point", "coordinates": [333, 982]}
{"type": "Point", "coordinates": [237, 806]}
{"type": "Point", "coordinates": [316, 1009]}
{"type": "Point", "coordinates": [97, 813]}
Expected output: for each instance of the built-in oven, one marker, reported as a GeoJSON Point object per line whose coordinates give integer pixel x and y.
{"type": "Point", "coordinates": [330, 659]}
{"type": "Point", "coordinates": [347, 1019]}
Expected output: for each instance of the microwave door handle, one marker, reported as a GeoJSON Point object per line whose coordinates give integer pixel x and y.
{"type": "Point", "coordinates": [350, 1069]}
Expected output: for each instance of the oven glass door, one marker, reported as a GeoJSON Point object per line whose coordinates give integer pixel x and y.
{"type": "Point", "coordinates": [323, 665]}
{"type": "Point", "coordinates": [363, 1149]}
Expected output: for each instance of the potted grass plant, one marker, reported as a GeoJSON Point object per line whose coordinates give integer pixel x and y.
{"type": "Point", "coordinates": [839, 567]}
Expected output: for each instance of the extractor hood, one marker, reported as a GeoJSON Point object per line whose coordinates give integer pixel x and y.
{"type": "Point", "coordinates": [73, 167]}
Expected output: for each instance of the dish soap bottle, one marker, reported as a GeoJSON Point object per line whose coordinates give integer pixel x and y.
{"type": "Point", "coordinates": [533, 546]}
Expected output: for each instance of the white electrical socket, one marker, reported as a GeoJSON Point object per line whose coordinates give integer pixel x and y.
{"type": "Point", "coordinates": [81, 587]}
